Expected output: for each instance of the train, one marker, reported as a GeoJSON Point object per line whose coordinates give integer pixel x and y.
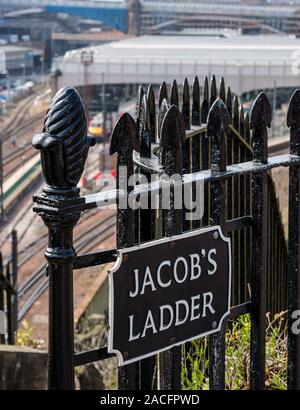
{"type": "Point", "coordinates": [15, 186]}
{"type": "Point", "coordinates": [98, 129]}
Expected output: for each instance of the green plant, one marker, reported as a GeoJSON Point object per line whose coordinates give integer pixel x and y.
{"type": "Point", "coordinates": [195, 374]}
{"type": "Point", "coordinates": [195, 369]}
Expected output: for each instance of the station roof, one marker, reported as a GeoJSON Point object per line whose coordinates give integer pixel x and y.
{"type": "Point", "coordinates": [247, 62]}
{"type": "Point", "coordinates": [176, 49]}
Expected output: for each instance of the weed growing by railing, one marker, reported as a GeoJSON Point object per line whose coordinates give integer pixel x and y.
{"type": "Point", "coordinates": [24, 337]}
{"type": "Point", "coordinates": [195, 371]}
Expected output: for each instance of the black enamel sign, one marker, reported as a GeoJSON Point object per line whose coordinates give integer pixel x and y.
{"type": "Point", "coordinates": [166, 292]}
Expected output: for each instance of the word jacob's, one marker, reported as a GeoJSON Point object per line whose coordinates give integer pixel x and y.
{"type": "Point", "coordinates": [169, 291]}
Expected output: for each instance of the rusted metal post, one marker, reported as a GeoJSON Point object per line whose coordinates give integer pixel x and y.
{"type": "Point", "coordinates": [260, 119]}
{"type": "Point", "coordinates": [217, 125]}
{"type": "Point", "coordinates": [293, 121]}
{"type": "Point", "coordinates": [64, 146]}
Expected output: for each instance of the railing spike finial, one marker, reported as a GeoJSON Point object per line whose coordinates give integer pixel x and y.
{"type": "Point", "coordinates": [222, 90]}
{"type": "Point", "coordinates": [186, 108]}
{"type": "Point", "coordinates": [218, 119]}
{"type": "Point", "coordinates": [172, 129]}
{"type": "Point", "coordinates": [206, 88]}
{"type": "Point", "coordinates": [151, 113]}
{"type": "Point", "coordinates": [174, 94]}
{"type": "Point", "coordinates": [261, 112]}
{"type": "Point", "coordinates": [163, 93]}
{"type": "Point", "coordinates": [247, 133]}
{"type": "Point", "coordinates": [293, 112]}
{"type": "Point", "coordinates": [138, 109]}
{"type": "Point", "coordinates": [213, 90]}
{"type": "Point", "coordinates": [64, 143]}
{"type": "Point", "coordinates": [293, 122]}
{"type": "Point", "coordinates": [125, 136]}
{"type": "Point", "coordinates": [196, 115]}
{"type": "Point", "coordinates": [172, 137]}
{"type": "Point", "coordinates": [164, 106]}
{"type": "Point", "coordinates": [260, 120]}
{"type": "Point", "coordinates": [145, 133]}
{"type": "Point", "coordinates": [229, 101]}
{"type": "Point", "coordinates": [218, 122]}
{"type": "Point", "coordinates": [242, 121]}
{"type": "Point", "coordinates": [205, 102]}
{"type": "Point", "coordinates": [236, 114]}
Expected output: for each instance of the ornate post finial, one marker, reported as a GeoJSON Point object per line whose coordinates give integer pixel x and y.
{"type": "Point", "coordinates": [64, 143]}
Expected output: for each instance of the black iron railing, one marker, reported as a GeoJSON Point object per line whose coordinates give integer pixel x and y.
{"type": "Point", "coordinates": [205, 137]}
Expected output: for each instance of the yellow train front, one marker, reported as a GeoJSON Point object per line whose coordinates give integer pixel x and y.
{"type": "Point", "coordinates": [96, 127]}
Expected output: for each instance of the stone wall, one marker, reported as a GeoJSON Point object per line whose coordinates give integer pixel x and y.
{"type": "Point", "coordinates": [22, 368]}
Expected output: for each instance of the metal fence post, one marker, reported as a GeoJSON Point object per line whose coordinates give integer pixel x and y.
{"type": "Point", "coordinates": [217, 125]}
{"type": "Point", "coordinates": [260, 119]}
{"type": "Point", "coordinates": [146, 119]}
{"type": "Point", "coordinates": [9, 309]}
{"type": "Point", "coordinates": [2, 336]}
{"type": "Point", "coordinates": [293, 121]}
{"type": "Point", "coordinates": [64, 146]}
{"type": "Point", "coordinates": [125, 139]}
{"type": "Point", "coordinates": [15, 277]}
{"type": "Point", "coordinates": [172, 136]}
{"type": "Point", "coordinates": [186, 151]}
{"type": "Point", "coordinates": [1, 180]}
{"type": "Point", "coordinates": [195, 144]}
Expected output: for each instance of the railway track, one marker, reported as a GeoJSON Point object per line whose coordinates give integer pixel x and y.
{"type": "Point", "coordinates": [84, 243]}
{"type": "Point", "coordinates": [80, 245]}
{"type": "Point", "coordinates": [20, 125]}
{"type": "Point", "coordinates": [36, 246]}
{"type": "Point", "coordinates": [19, 120]}
{"type": "Point", "coordinates": [23, 108]}
{"type": "Point", "coordinates": [17, 163]}
{"type": "Point", "coordinates": [279, 147]}
{"type": "Point", "coordinates": [13, 160]}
